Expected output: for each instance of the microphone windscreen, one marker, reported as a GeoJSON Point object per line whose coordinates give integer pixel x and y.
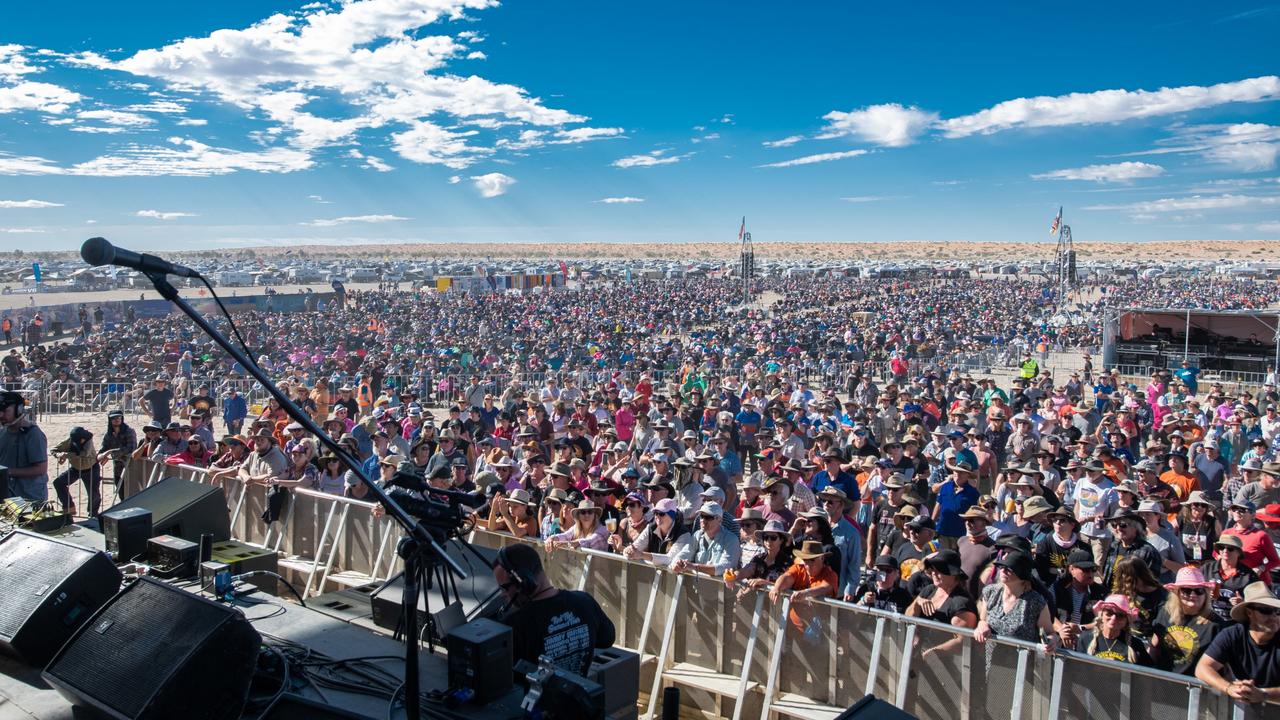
{"type": "Point", "coordinates": [97, 251]}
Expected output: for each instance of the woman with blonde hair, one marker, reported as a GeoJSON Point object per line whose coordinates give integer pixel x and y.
{"type": "Point", "coordinates": [1112, 637]}
{"type": "Point", "coordinates": [587, 530]}
{"type": "Point", "coordinates": [1186, 624]}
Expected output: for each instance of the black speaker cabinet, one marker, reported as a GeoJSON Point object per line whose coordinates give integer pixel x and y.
{"type": "Point", "coordinates": [49, 589]}
{"type": "Point", "coordinates": [184, 509]}
{"type": "Point", "coordinates": [157, 652]}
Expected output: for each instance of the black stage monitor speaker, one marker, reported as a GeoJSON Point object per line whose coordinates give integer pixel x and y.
{"type": "Point", "coordinates": [49, 589]}
{"type": "Point", "coordinates": [184, 509]}
{"type": "Point", "coordinates": [872, 708]}
{"type": "Point", "coordinates": [157, 652]}
{"type": "Point", "coordinates": [479, 595]}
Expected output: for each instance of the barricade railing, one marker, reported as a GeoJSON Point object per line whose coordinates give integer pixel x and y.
{"type": "Point", "coordinates": [735, 651]}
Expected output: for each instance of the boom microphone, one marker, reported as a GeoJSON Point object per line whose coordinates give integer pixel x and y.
{"type": "Point", "coordinates": [97, 251]}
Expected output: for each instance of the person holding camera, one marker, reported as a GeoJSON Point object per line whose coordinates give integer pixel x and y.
{"type": "Point", "coordinates": [23, 449]}
{"type": "Point", "coordinates": [77, 450]}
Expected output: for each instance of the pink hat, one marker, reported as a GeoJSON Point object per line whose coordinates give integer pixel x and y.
{"type": "Point", "coordinates": [1117, 602]}
{"type": "Point", "coordinates": [1189, 577]}
{"type": "Point", "coordinates": [666, 505]}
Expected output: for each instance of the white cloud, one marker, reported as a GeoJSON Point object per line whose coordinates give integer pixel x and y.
{"type": "Point", "coordinates": [330, 222]}
{"type": "Point", "coordinates": [727, 119]}
{"type": "Point", "coordinates": [367, 63]}
{"type": "Point", "coordinates": [889, 125]}
{"type": "Point", "coordinates": [650, 159]}
{"type": "Point", "coordinates": [864, 198]}
{"type": "Point", "coordinates": [157, 215]}
{"type": "Point", "coordinates": [1193, 203]}
{"type": "Point", "coordinates": [620, 200]}
{"type": "Point", "coordinates": [319, 199]}
{"type": "Point", "coordinates": [1247, 147]}
{"type": "Point", "coordinates": [708, 136]}
{"type": "Point", "coordinates": [584, 134]}
{"type": "Point", "coordinates": [21, 231]}
{"type": "Point", "coordinates": [38, 96]}
{"type": "Point", "coordinates": [160, 106]}
{"type": "Point", "coordinates": [784, 142]}
{"type": "Point", "coordinates": [454, 179]}
{"type": "Point", "coordinates": [193, 121]}
{"type": "Point", "coordinates": [97, 130]}
{"type": "Point", "coordinates": [477, 55]}
{"type": "Point", "coordinates": [1115, 172]}
{"type": "Point", "coordinates": [811, 159]}
{"type": "Point", "coordinates": [115, 117]}
{"type": "Point", "coordinates": [27, 204]}
{"type": "Point", "coordinates": [370, 162]}
{"type": "Point", "coordinates": [433, 145]}
{"type": "Point", "coordinates": [186, 158]}
{"type": "Point", "coordinates": [1109, 106]}
{"type": "Point", "coordinates": [13, 64]}
{"type": "Point", "coordinates": [493, 184]}
{"type": "Point", "coordinates": [27, 165]}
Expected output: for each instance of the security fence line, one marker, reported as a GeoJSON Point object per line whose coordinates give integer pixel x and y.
{"type": "Point", "coordinates": [741, 656]}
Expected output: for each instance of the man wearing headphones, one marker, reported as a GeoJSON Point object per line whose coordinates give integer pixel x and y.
{"type": "Point", "coordinates": [23, 449]}
{"type": "Point", "coordinates": [565, 625]}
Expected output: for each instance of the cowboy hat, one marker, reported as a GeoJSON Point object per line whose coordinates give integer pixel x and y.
{"type": "Point", "coordinates": [1117, 602]}
{"type": "Point", "coordinates": [1189, 577]}
{"type": "Point", "coordinates": [811, 549]}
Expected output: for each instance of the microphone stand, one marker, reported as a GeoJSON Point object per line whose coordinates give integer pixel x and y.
{"type": "Point", "coordinates": [417, 541]}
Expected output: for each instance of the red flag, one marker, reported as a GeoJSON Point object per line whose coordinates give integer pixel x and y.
{"type": "Point", "coordinates": [564, 270]}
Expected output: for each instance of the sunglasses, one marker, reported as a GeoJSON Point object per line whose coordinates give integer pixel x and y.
{"type": "Point", "coordinates": [1193, 592]}
{"type": "Point", "coordinates": [1264, 610]}
{"type": "Point", "coordinates": [195, 442]}
{"type": "Point", "coordinates": [770, 537]}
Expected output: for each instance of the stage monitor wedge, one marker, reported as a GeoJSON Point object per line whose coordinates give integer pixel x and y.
{"type": "Point", "coordinates": [183, 509]}
{"type": "Point", "coordinates": [157, 652]}
{"type": "Point", "coordinates": [49, 589]}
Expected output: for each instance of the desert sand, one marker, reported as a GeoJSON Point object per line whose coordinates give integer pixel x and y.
{"type": "Point", "coordinates": [959, 251]}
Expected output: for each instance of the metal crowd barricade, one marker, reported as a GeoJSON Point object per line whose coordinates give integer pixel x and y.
{"type": "Point", "coordinates": [742, 657]}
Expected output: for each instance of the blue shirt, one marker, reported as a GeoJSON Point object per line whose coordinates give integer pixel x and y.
{"type": "Point", "coordinates": [843, 481]}
{"type": "Point", "coordinates": [234, 408]}
{"type": "Point", "coordinates": [952, 500]}
{"type": "Point", "coordinates": [849, 542]}
{"type": "Point", "coordinates": [1188, 377]}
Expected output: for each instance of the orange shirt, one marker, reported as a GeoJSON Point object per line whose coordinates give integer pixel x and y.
{"type": "Point", "coordinates": [799, 572]}
{"type": "Point", "coordinates": [1182, 483]}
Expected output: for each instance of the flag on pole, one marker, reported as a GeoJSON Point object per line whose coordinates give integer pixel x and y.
{"type": "Point", "coordinates": [1053, 229]}
{"type": "Point", "coordinates": [742, 230]}
{"type": "Point", "coordinates": [564, 270]}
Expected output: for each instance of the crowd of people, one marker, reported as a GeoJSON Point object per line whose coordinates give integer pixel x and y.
{"type": "Point", "coordinates": [1134, 524]}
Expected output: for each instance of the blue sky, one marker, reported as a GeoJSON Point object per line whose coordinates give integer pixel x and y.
{"type": "Point", "coordinates": [243, 123]}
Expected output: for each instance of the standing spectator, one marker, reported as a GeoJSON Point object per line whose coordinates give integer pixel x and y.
{"type": "Point", "coordinates": [954, 496]}
{"type": "Point", "coordinates": [234, 411]}
{"type": "Point", "coordinates": [160, 399]}
{"type": "Point", "coordinates": [1010, 608]}
{"type": "Point", "coordinates": [1186, 625]}
{"type": "Point", "coordinates": [1248, 652]}
{"type": "Point", "coordinates": [1259, 550]}
{"type": "Point", "coordinates": [810, 577]}
{"type": "Point", "coordinates": [77, 450]}
{"type": "Point", "coordinates": [1111, 638]}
